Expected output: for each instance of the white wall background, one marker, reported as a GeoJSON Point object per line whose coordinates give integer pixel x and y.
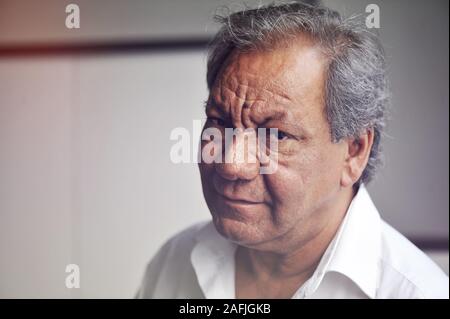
{"type": "Point", "coordinates": [85, 175]}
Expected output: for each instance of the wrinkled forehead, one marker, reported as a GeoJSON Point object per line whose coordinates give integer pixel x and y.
{"type": "Point", "coordinates": [249, 74]}
{"type": "Point", "coordinates": [278, 81]}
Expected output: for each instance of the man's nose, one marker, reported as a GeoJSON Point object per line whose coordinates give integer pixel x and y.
{"type": "Point", "coordinates": [240, 160]}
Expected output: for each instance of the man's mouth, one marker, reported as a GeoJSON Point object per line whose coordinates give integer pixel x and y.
{"type": "Point", "coordinates": [233, 200]}
{"type": "Point", "coordinates": [238, 199]}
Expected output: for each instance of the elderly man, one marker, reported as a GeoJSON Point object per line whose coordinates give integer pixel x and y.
{"type": "Point", "coordinates": [309, 229]}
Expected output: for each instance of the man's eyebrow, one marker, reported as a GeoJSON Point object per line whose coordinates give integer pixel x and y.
{"type": "Point", "coordinates": [280, 114]}
{"type": "Point", "coordinates": [285, 119]}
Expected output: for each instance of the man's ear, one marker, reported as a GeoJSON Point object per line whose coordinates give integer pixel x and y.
{"type": "Point", "coordinates": [356, 157]}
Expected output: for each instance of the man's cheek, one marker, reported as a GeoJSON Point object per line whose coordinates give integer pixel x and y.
{"type": "Point", "coordinates": [284, 185]}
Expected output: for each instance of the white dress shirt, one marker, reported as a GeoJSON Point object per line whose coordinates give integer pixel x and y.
{"type": "Point", "coordinates": [366, 259]}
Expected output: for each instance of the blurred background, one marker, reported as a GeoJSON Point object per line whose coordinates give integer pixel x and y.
{"type": "Point", "coordinates": [85, 119]}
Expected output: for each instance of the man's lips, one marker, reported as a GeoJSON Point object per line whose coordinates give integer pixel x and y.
{"type": "Point", "coordinates": [234, 195]}
{"type": "Point", "coordinates": [238, 200]}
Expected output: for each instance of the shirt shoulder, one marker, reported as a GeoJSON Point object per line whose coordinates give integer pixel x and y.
{"type": "Point", "coordinates": [406, 271]}
{"type": "Point", "coordinates": [169, 274]}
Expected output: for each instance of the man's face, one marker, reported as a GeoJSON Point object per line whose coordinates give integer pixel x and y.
{"type": "Point", "coordinates": [283, 89]}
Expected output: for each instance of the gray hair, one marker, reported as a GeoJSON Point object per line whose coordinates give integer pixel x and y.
{"type": "Point", "coordinates": [357, 94]}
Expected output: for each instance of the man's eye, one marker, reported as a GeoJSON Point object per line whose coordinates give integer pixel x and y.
{"type": "Point", "coordinates": [216, 121]}
{"type": "Point", "coordinates": [280, 135]}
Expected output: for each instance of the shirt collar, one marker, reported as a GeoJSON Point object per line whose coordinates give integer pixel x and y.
{"type": "Point", "coordinates": [213, 261]}
{"type": "Point", "coordinates": [354, 252]}
{"type": "Point", "coordinates": [356, 248]}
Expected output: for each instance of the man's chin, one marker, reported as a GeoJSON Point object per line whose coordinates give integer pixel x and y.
{"type": "Point", "coordinates": [240, 232]}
